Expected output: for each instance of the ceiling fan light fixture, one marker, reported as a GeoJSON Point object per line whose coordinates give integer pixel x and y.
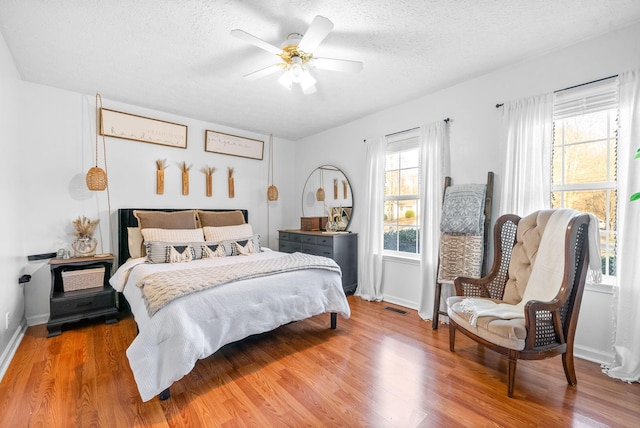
{"type": "Point", "coordinates": [307, 81]}
{"type": "Point", "coordinates": [286, 79]}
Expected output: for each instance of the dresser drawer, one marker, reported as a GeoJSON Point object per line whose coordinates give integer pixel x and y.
{"type": "Point", "coordinates": [307, 239]}
{"type": "Point", "coordinates": [82, 302]}
{"type": "Point", "coordinates": [318, 250]}
{"type": "Point", "coordinates": [324, 240]}
{"type": "Point", "coordinates": [289, 247]}
{"type": "Point", "coordinates": [286, 236]}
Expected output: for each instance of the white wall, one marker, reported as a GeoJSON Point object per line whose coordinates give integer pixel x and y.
{"type": "Point", "coordinates": [57, 148]}
{"type": "Point", "coordinates": [11, 224]}
{"type": "Point", "coordinates": [475, 148]}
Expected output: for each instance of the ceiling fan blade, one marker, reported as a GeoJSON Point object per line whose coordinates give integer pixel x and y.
{"type": "Point", "coordinates": [317, 31]}
{"type": "Point", "coordinates": [250, 38]}
{"type": "Point", "coordinates": [264, 72]}
{"type": "Point", "coordinates": [337, 64]}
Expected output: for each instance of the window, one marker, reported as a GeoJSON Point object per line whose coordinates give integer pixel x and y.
{"type": "Point", "coordinates": [401, 192]}
{"type": "Point", "coordinates": [584, 158]}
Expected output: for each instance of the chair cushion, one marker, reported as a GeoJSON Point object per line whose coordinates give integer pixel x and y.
{"type": "Point", "coordinates": [506, 333]}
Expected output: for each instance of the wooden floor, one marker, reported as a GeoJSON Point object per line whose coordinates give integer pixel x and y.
{"type": "Point", "coordinates": [378, 369]}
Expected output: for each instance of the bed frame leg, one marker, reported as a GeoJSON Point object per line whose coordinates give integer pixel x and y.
{"type": "Point", "coordinates": [334, 320]}
{"type": "Point", "coordinates": [165, 395]}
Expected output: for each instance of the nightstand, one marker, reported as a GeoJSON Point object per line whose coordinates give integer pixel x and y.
{"type": "Point", "coordinates": [80, 290]}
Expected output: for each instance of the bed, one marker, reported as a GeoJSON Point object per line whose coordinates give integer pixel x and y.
{"type": "Point", "coordinates": [209, 295]}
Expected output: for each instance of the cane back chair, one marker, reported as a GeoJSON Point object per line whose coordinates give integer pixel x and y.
{"type": "Point", "coordinates": [548, 328]}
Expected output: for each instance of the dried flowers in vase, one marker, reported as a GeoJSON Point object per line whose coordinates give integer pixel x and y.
{"type": "Point", "coordinates": [85, 244]}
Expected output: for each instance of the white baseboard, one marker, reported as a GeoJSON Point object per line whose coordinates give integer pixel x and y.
{"type": "Point", "coordinates": [11, 348]}
{"type": "Point", "coordinates": [593, 355]}
{"type": "Point", "coordinates": [402, 302]}
{"type": "Point", "coordinates": [37, 319]}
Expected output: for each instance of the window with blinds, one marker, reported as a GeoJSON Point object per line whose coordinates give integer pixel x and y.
{"type": "Point", "coordinates": [401, 192]}
{"type": "Point", "coordinates": [584, 157]}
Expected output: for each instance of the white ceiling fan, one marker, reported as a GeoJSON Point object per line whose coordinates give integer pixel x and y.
{"type": "Point", "coordinates": [296, 56]}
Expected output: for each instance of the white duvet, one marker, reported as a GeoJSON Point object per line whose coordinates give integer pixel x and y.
{"type": "Point", "coordinates": [195, 326]}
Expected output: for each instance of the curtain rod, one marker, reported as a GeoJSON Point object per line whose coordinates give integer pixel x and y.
{"type": "Point", "coordinates": [574, 86]}
{"type": "Point", "coordinates": [412, 129]}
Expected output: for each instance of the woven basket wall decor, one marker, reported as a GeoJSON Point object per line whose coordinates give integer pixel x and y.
{"type": "Point", "coordinates": [97, 177]}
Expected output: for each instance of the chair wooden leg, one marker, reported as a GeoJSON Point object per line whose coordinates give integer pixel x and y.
{"type": "Point", "coordinates": [511, 376]}
{"type": "Point", "coordinates": [452, 337]}
{"type": "Point", "coordinates": [569, 368]}
{"type": "Point", "coordinates": [436, 306]}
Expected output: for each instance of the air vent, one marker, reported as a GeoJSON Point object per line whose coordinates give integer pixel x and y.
{"type": "Point", "coordinates": [396, 310]}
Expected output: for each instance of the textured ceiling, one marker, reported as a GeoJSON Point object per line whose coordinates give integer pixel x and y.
{"type": "Point", "coordinates": [178, 56]}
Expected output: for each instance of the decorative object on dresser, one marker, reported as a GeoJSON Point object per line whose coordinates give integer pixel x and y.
{"type": "Point", "coordinates": [208, 172]}
{"type": "Point", "coordinates": [97, 177]}
{"type": "Point", "coordinates": [161, 165]}
{"type": "Point", "coordinates": [341, 247]}
{"type": "Point", "coordinates": [80, 290]}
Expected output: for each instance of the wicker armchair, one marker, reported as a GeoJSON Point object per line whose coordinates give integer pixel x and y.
{"type": "Point", "coordinates": [548, 328]}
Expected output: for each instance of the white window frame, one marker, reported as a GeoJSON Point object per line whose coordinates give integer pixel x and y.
{"type": "Point", "coordinates": [583, 99]}
{"type": "Point", "coordinates": [399, 142]}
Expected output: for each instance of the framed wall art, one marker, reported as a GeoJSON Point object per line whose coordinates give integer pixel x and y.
{"type": "Point", "coordinates": [227, 144]}
{"type": "Point", "coordinates": [138, 128]}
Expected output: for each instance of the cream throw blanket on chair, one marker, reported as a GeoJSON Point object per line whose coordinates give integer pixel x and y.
{"type": "Point", "coordinates": [547, 273]}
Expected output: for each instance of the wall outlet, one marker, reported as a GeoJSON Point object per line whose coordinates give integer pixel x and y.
{"type": "Point", "coordinates": [6, 320]}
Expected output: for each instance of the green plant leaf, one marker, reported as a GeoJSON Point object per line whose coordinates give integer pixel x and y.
{"type": "Point", "coordinates": [635, 196]}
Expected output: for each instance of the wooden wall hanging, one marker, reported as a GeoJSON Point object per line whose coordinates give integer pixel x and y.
{"type": "Point", "coordinates": [232, 192]}
{"type": "Point", "coordinates": [208, 172]}
{"type": "Point", "coordinates": [185, 178]}
{"type": "Point", "coordinates": [161, 165]}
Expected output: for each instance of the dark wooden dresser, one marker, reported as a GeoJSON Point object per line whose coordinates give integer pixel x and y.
{"type": "Point", "coordinates": [341, 247]}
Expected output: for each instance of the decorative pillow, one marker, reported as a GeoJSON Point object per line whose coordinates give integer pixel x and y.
{"type": "Point", "coordinates": [222, 218]}
{"type": "Point", "coordinates": [173, 235]}
{"type": "Point", "coordinates": [173, 252]}
{"type": "Point", "coordinates": [227, 233]}
{"type": "Point", "coordinates": [180, 254]}
{"type": "Point", "coordinates": [166, 220]}
{"type": "Point", "coordinates": [135, 242]}
{"type": "Point", "coordinates": [463, 209]}
{"type": "Point", "coordinates": [243, 246]}
{"type": "Point", "coordinates": [213, 250]}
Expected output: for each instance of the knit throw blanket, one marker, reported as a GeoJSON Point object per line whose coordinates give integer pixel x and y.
{"type": "Point", "coordinates": [547, 273]}
{"type": "Point", "coordinates": [160, 288]}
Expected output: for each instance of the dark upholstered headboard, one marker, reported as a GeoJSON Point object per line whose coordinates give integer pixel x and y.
{"type": "Point", "coordinates": [127, 219]}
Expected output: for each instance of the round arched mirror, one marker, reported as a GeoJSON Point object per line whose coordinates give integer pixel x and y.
{"type": "Point", "coordinates": [328, 191]}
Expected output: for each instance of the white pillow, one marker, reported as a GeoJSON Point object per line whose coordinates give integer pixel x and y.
{"type": "Point", "coordinates": [227, 233]}
{"type": "Point", "coordinates": [173, 235]}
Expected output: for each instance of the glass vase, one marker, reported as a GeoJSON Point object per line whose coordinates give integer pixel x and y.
{"type": "Point", "coordinates": [84, 247]}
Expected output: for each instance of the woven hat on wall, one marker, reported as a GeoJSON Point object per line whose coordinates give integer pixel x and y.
{"type": "Point", "coordinates": [97, 177]}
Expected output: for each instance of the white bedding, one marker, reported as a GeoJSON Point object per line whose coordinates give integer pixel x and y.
{"type": "Point", "coordinates": [195, 326]}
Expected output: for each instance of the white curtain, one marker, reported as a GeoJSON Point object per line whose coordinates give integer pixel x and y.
{"type": "Point", "coordinates": [627, 339]}
{"type": "Point", "coordinates": [371, 238]}
{"type": "Point", "coordinates": [526, 140]}
{"type": "Point", "coordinates": [435, 165]}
